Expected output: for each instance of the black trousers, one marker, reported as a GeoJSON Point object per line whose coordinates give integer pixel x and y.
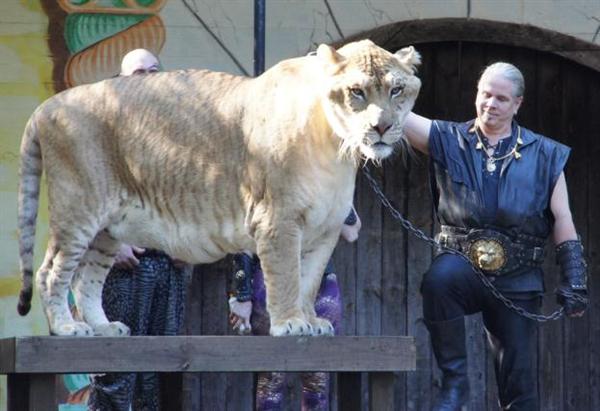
{"type": "Point", "coordinates": [451, 289]}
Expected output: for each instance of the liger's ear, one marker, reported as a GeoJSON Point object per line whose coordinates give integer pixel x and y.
{"type": "Point", "coordinates": [409, 57]}
{"type": "Point", "coordinates": [328, 54]}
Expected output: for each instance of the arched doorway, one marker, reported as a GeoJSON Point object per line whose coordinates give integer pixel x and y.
{"type": "Point", "coordinates": [562, 100]}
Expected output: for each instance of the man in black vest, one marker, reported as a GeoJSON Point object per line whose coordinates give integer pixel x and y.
{"type": "Point", "coordinates": [499, 192]}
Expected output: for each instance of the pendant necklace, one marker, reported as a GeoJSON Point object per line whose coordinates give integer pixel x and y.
{"type": "Point", "coordinates": [490, 162]}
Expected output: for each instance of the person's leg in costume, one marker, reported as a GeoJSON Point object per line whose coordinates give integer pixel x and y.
{"type": "Point", "coordinates": [165, 317]}
{"type": "Point", "coordinates": [270, 385]}
{"type": "Point", "coordinates": [126, 297]}
{"type": "Point", "coordinates": [450, 291]}
{"type": "Point", "coordinates": [512, 339]}
{"type": "Point", "coordinates": [315, 385]}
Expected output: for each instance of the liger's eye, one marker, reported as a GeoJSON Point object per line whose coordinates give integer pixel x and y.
{"type": "Point", "coordinates": [396, 90]}
{"type": "Point", "coordinates": [357, 92]}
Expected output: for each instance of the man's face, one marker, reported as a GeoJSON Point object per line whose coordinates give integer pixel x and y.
{"type": "Point", "coordinates": [144, 70]}
{"type": "Point", "coordinates": [496, 102]}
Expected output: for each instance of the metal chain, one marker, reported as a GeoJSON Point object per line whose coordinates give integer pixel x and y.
{"type": "Point", "coordinates": [431, 241]}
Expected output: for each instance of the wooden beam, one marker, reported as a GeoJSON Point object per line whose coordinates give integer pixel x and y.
{"type": "Point", "coordinates": [206, 354]}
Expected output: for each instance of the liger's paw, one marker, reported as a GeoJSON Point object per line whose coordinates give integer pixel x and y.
{"type": "Point", "coordinates": [291, 326]}
{"type": "Point", "coordinates": [321, 326]}
{"type": "Point", "coordinates": [112, 329]}
{"type": "Point", "coordinates": [73, 329]}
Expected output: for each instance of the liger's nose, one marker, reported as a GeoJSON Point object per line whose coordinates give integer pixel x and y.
{"type": "Point", "coordinates": [381, 128]}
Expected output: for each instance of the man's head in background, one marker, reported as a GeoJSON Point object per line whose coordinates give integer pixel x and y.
{"type": "Point", "coordinates": [139, 61]}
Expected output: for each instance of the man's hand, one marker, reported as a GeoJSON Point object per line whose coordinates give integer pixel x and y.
{"type": "Point", "coordinates": [574, 302]}
{"type": "Point", "coordinates": [239, 315]}
{"type": "Point", "coordinates": [572, 291]}
{"type": "Point", "coordinates": [126, 257]}
{"type": "Point", "coordinates": [350, 232]}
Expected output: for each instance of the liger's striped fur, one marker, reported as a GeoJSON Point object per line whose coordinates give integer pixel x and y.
{"type": "Point", "coordinates": [200, 164]}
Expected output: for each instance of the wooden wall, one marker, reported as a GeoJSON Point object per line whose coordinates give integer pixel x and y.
{"type": "Point", "coordinates": [380, 275]}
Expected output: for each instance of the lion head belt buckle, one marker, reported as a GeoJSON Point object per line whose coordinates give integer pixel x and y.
{"type": "Point", "coordinates": [487, 254]}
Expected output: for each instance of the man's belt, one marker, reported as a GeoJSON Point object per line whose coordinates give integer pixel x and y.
{"type": "Point", "coordinates": [493, 252]}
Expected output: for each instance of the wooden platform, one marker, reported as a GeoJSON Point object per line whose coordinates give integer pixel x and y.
{"type": "Point", "coordinates": [31, 362]}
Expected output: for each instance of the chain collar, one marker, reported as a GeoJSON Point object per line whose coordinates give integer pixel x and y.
{"type": "Point", "coordinates": [486, 282]}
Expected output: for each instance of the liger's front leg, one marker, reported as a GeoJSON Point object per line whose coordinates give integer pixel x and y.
{"type": "Point", "coordinates": [278, 247]}
{"type": "Point", "coordinates": [313, 264]}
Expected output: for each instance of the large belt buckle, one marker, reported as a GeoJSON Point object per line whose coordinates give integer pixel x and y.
{"type": "Point", "coordinates": [488, 254]}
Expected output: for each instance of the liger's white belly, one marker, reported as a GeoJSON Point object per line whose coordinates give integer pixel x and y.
{"type": "Point", "coordinates": [198, 240]}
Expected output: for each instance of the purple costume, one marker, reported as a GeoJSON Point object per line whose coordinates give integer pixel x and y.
{"type": "Point", "coordinates": [270, 386]}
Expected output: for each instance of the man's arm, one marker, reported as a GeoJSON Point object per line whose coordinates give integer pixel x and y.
{"type": "Point", "coordinates": [571, 292]}
{"type": "Point", "coordinates": [417, 130]}
{"type": "Point", "coordinates": [563, 229]}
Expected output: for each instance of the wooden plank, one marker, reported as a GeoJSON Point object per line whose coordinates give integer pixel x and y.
{"type": "Point", "coordinates": [368, 277]}
{"type": "Point", "coordinates": [419, 389]}
{"type": "Point", "coordinates": [171, 391]}
{"type": "Point", "coordinates": [526, 61]}
{"type": "Point", "coordinates": [348, 388]}
{"type": "Point", "coordinates": [368, 263]}
{"type": "Point", "coordinates": [344, 260]}
{"type": "Point", "coordinates": [214, 322]}
{"type": "Point", "coordinates": [7, 356]}
{"type": "Point", "coordinates": [211, 354]}
{"type": "Point", "coordinates": [239, 391]}
{"type": "Point", "coordinates": [576, 116]}
{"type": "Point", "coordinates": [550, 342]}
{"type": "Point", "coordinates": [472, 62]}
{"type": "Point", "coordinates": [381, 395]}
{"type": "Point", "coordinates": [42, 392]}
{"type": "Point", "coordinates": [349, 391]}
{"type": "Point", "coordinates": [593, 243]}
{"type": "Point", "coordinates": [393, 310]}
{"type": "Point", "coordinates": [192, 382]}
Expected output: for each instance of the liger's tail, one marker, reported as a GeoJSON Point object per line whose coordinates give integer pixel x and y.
{"type": "Point", "coordinates": [30, 172]}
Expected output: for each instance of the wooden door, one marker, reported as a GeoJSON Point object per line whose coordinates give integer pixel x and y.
{"type": "Point", "coordinates": [380, 275]}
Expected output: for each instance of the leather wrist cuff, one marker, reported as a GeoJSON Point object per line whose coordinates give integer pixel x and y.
{"type": "Point", "coordinates": [351, 219]}
{"type": "Point", "coordinates": [242, 280]}
{"type": "Point", "coordinates": [569, 255]}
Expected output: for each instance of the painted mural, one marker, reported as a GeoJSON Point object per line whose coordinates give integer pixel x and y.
{"type": "Point", "coordinates": [47, 46]}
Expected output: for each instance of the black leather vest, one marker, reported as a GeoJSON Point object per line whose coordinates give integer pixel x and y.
{"type": "Point", "coordinates": [524, 188]}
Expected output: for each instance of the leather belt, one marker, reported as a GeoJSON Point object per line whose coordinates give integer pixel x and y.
{"type": "Point", "coordinates": [493, 252]}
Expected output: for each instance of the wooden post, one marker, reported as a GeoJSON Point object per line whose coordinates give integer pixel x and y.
{"type": "Point", "coordinates": [349, 391]}
{"type": "Point", "coordinates": [31, 392]}
{"type": "Point", "coordinates": [171, 390]}
{"type": "Point", "coordinates": [18, 392]}
{"type": "Point", "coordinates": [381, 391]}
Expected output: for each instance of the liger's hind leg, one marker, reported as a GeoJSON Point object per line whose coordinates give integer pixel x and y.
{"type": "Point", "coordinates": [88, 283]}
{"type": "Point", "coordinates": [53, 281]}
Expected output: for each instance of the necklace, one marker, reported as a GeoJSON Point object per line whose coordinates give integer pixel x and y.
{"type": "Point", "coordinates": [490, 163]}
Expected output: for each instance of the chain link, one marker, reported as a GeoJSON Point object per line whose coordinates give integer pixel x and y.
{"type": "Point", "coordinates": [431, 241]}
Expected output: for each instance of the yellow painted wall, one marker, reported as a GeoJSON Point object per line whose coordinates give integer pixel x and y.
{"type": "Point", "coordinates": [25, 71]}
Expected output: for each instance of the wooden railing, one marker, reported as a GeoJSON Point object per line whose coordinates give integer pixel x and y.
{"type": "Point", "coordinates": [32, 362]}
